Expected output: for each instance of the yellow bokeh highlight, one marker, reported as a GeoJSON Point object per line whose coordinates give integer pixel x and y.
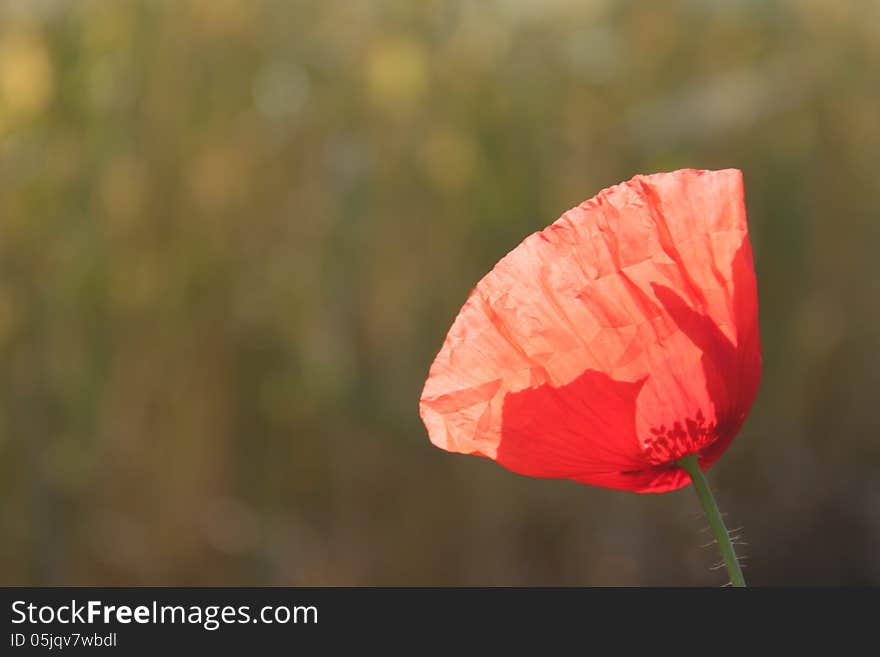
{"type": "Point", "coordinates": [27, 81]}
{"type": "Point", "coordinates": [397, 75]}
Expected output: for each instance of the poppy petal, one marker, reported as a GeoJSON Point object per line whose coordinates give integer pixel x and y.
{"type": "Point", "coordinates": [607, 346]}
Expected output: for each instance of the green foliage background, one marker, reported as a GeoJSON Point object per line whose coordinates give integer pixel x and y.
{"type": "Point", "coordinates": [233, 235]}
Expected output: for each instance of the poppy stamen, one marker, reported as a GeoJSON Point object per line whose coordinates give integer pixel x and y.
{"type": "Point", "coordinates": [666, 446]}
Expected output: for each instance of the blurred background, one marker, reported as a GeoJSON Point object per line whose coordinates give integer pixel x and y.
{"type": "Point", "coordinates": [233, 235]}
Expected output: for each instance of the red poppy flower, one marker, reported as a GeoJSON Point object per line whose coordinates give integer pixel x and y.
{"type": "Point", "coordinates": [616, 341]}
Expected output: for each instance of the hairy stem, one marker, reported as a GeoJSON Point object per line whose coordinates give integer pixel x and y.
{"type": "Point", "coordinates": [716, 523]}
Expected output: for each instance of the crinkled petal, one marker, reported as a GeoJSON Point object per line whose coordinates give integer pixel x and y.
{"type": "Point", "coordinates": [610, 344]}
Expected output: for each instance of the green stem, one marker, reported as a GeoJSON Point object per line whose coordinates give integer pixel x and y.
{"type": "Point", "coordinates": [716, 523]}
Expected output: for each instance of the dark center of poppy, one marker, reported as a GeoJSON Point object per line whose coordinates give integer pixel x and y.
{"type": "Point", "coordinates": [666, 445]}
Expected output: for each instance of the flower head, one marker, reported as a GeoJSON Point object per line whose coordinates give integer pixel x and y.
{"type": "Point", "coordinates": [619, 339]}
